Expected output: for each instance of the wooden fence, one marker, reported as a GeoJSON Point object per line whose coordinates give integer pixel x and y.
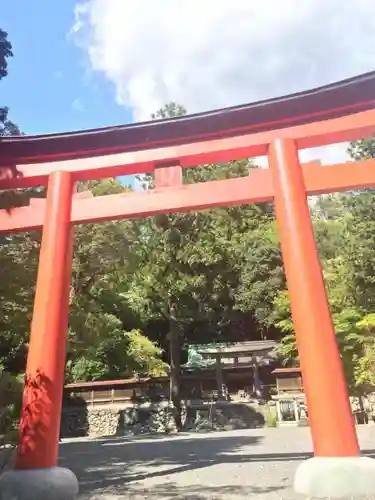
{"type": "Point", "coordinates": [196, 385]}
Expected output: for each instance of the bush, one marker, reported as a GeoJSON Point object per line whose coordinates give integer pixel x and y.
{"type": "Point", "coordinates": [271, 418]}
{"type": "Point", "coordinates": [10, 408]}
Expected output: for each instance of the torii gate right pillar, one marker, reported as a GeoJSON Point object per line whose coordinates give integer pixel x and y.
{"type": "Point", "coordinates": [337, 470]}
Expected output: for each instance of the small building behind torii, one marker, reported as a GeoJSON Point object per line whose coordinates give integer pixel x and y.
{"type": "Point", "coordinates": [290, 398]}
{"type": "Point", "coordinates": [238, 365]}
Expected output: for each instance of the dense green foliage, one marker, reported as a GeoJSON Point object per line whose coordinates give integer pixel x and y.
{"type": "Point", "coordinates": [142, 289]}
{"type": "Point", "coordinates": [10, 385]}
{"type": "Point", "coordinates": [7, 127]}
{"type": "Point", "coordinates": [345, 231]}
{"type": "Point", "coordinates": [211, 274]}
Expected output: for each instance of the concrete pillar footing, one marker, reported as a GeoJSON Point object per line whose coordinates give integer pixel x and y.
{"type": "Point", "coordinates": [55, 483]}
{"type": "Point", "coordinates": [336, 477]}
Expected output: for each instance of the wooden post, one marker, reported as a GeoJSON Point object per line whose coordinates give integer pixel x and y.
{"type": "Point", "coordinates": [42, 400]}
{"type": "Point", "coordinates": [219, 376]}
{"type": "Point", "coordinates": [295, 409]}
{"type": "Point", "coordinates": [329, 410]}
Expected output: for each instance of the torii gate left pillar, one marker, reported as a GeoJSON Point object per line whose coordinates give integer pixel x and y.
{"type": "Point", "coordinates": [37, 475]}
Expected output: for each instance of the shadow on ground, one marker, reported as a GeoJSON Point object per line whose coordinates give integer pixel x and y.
{"type": "Point", "coordinates": [113, 463]}
{"type": "Point", "coordinates": [112, 467]}
{"type": "Point", "coordinates": [190, 492]}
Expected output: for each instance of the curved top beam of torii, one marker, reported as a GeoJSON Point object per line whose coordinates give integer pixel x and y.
{"type": "Point", "coordinates": [331, 101]}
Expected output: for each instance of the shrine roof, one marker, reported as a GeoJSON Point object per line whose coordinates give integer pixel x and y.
{"type": "Point", "coordinates": [235, 347]}
{"type": "Point", "coordinates": [348, 96]}
{"type": "Point", "coordinates": [286, 371]}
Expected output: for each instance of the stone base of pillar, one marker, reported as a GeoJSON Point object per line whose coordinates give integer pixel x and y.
{"type": "Point", "coordinates": [55, 483]}
{"type": "Point", "coordinates": [330, 477]}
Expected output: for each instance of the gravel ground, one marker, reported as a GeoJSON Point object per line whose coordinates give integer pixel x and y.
{"type": "Point", "coordinates": [236, 465]}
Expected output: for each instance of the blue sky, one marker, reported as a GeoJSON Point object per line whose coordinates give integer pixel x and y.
{"type": "Point", "coordinates": [147, 57]}
{"type": "Point", "coordinates": [48, 88]}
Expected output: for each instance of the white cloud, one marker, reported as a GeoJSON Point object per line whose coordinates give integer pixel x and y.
{"type": "Point", "coordinates": [208, 54]}
{"type": "Point", "coordinates": [77, 105]}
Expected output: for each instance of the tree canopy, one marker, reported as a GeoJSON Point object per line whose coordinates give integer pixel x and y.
{"type": "Point", "coordinates": [215, 274]}
{"type": "Point", "coordinates": [5, 53]}
{"type": "Point", "coordinates": [143, 289]}
{"type": "Point", "coordinates": [7, 127]}
{"type": "Point", "coordinates": [345, 232]}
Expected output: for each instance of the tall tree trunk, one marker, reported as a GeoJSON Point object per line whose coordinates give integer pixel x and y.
{"type": "Point", "coordinates": [175, 364]}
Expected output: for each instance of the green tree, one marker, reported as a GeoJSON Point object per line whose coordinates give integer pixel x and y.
{"type": "Point", "coordinates": [11, 340]}
{"type": "Point", "coordinates": [170, 110]}
{"type": "Point", "coordinates": [344, 228]}
{"type": "Point", "coordinates": [18, 258]}
{"type": "Point", "coordinates": [7, 127]}
{"type": "Point", "coordinates": [198, 268]}
{"type": "Point", "coordinates": [10, 406]}
{"type": "Point", "coordinates": [103, 331]}
{"type": "Point", "coordinates": [5, 53]}
{"type": "Point", "coordinates": [362, 149]}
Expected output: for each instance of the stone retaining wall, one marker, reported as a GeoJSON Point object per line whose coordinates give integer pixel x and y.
{"type": "Point", "coordinates": [156, 418]}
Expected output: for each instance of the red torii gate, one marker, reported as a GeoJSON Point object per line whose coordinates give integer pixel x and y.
{"type": "Point", "coordinates": [277, 128]}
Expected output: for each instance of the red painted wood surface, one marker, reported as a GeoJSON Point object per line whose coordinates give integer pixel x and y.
{"type": "Point", "coordinates": [347, 128]}
{"type": "Point", "coordinates": [42, 399]}
{"type": "Point", "coordinates": [253, 189]}
{"type": "Point", "coordinates": [285, 182]}
{"type": "Point", "coordinates": [330, 416]}
{"type": "Point", "coordinates": [168, 176]}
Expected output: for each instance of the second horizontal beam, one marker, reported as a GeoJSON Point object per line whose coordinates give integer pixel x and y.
{"type": "Point", "coordinates": [255, 188]}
